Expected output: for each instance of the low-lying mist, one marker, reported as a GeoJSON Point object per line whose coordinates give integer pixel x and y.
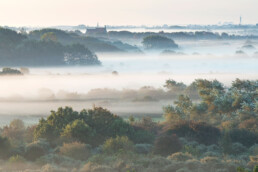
{"type": "Point", "coordinates": [117, 83]}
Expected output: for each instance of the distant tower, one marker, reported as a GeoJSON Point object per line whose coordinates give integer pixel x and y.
{"type": "Point", "coordinates": [240, 20]}
{"type": "Point", "coordinates": [98, 24]}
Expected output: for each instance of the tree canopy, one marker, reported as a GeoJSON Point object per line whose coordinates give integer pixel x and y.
{"type": "Point", "coordinates": [159, 42]}
{"type": "Point", "coordinates": [20, 50]}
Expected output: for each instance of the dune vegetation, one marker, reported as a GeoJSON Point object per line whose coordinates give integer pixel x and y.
{"type": "Point", "coordinates": [217, 132]}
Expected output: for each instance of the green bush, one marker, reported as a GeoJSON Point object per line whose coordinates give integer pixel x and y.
{"type": "Point", "coordinates": [75, 150]}
{"type": "Point", "coordinates": [142, 136]}
{"type": "Point", "coordinates": [62, 161]}
{"type": "Point", "coordinates": [143, 148]}
{"type": "Point", "coordinates": [241, 169]}
{"type": "Point", "coordinates": [118, 144]}
{"type": "Point", "coordinates": [15, 132]}
{"type": "Point", "coordinates": [147, 124]}
{"type": "Point", "coordinates": [255, 168]}
{"type": "Point", "coordinates": [238, 148]}
{"type": "Point", "coordinates": [166, 145]}
{"type": "Point", "coordinates": [245, 137]}
{"type": "Point", "coordinates": [157, 41]}
{"type": "Point", "coordinates": [10, 71]}
{"type": "Point", "coordinates": [4, 147]}
{"type": "Point", "coordinates": [78, 130]}
{"type": "Point", "coordinates": [36, 149]}
{"type": "Point", "coordinates": [198, 131]}
{"type": "Point", "coordinates": [46, 131]}
{"type": "Point", "coordinates": [106, 125]}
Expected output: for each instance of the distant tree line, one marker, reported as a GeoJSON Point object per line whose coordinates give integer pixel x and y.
{"type": "Point", "coordinates": [10, 71]}
{"type": "Point", "coordinates": [92, 43]}
{"type": "Point", "coordinates": [197, 35]}
{"type": "Point", "coordinates": [158, 42]}
{"type": "Point", "coordinates": [19, 50]}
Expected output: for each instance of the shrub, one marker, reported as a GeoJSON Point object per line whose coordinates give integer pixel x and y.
{"type": "Point", "coordinates": [16, 159]}
{"type": "Point", "coordinates": [147, 124]}
{"type": "Point", "coordinates": [10, 71]}
{"type": "Point", "coordinates": [142, 136]}
{"type": "Point", "coordinates": [15, 132]}
{"type": "Point", "coordinates": [106, 125]}
{"type": "Point", "coordinates": [213, 148]}
{"type": "Point", "coordinates": [199, 131]}
{"type": "Point", "coordinates": [254, 150]}
{"type": "Point", "coordinates": [119, 127]}
{"type": "Point", "coordinates": [15, 163]}
{"type": "Point", "coordinates": [29, 133]}
{"type": "Point", "coordinates": [33, 152]}
{"type": "Point", "coordinates": [180, 156]}
{"type": "Point", "coordinates": [78, 130]}
{"type": "Point", "coordinates": [120, 143]}
{"type": "Point", "coordinates": [156, 41]}
{"type": "Point", "coordinates": [245, 137]}
{"type": "Point", "coordinates": [46, 131]}
{"type": "Point", "coordinates": [51, 128]}
{"type": "Point", "coordinates": [75, 150]}
{"type": "Point", "coordinates": [143, 148]}
{"type": "Point", "coordinates": [193, 150]}
{"type": "Point", "coordinates": [4, 147]}
{"type": "Point", "coordinates": [36, 149]}
{"type": "Point", "coordinates": [226, 143]}
{"type": "Point", "coordinates": [166, 145]}
{"type": "Point", "coordinates": [238, 148]}
{"type": "Point", "coordinates": [192, 164]}
{"type": "Point", "coordinates": [60, 160]}
{"type": "Point", "coordinates": [241, 169]}
{"type": "Point", "coordinates": [158, 162]}
{"type": "Point", "coordinates": [255, 168]}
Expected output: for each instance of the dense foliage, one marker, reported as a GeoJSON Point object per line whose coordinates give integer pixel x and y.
{"type": "Point", "coordinates": [157, 42]}
{"type": "Point", "coordinates": [216, 132]}
{"type": "Point", "coordinates": [17, 49]}
{"type": "Point", "coordinates": [94, 44]}
{"type": "Point", "coordinates": [10, 71]}
{"type": "Point", "coordinates": [91, 126]}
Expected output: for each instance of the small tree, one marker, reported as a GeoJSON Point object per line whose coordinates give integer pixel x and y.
{"type": "Point", "coordinates": [167, 144]}
{"type": "Point", "coordinates": [78, 130]}
{"type": "Point", "coordinates": [75, 150]}
{"type": "Point", "coordinates": [4, 147]}
{"type": "Point", "coordinates": [157, 42]}
{"type": "Point", "coordinates": [118, 144]}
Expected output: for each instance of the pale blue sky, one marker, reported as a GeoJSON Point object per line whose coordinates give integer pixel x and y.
{"type": "Point", "coordinates": [123, 12]}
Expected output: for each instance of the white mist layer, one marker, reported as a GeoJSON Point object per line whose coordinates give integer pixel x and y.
{"type": "Point", "coordinates": [134, 72]}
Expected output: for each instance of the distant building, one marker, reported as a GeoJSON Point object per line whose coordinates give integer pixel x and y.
{"type": "Point", "coordinates": [97, 32]}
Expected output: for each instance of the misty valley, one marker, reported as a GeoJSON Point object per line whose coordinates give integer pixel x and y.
{"type": "Point", "coordinates": [121, 99]}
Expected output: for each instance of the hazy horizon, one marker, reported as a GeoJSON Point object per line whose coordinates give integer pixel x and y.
{"type": "Point", "coordinates": [89, 12]}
